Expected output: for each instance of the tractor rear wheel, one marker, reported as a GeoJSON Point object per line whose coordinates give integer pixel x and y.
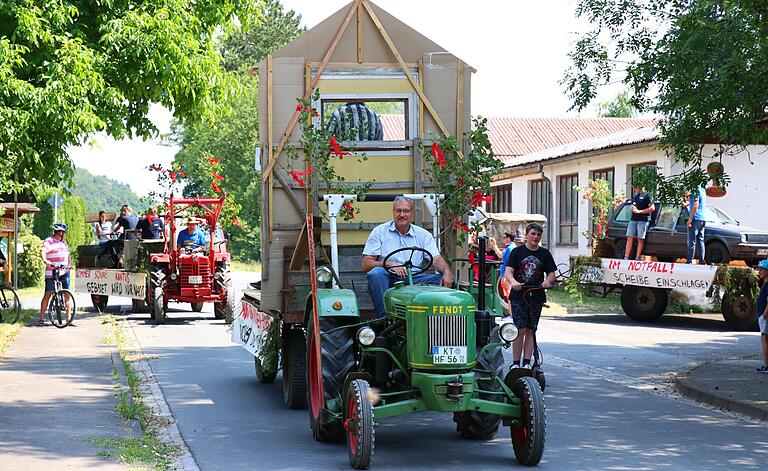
{"type": "Point", "coordinates": [643, 304]}
{"type": "Point", "coordinates": [295, 369]}
{"type": "Point", "coordinates": [358, 422]}
{"type": "Point", "coordinates": [156, 296]}
{"type": "Point", "coordinates": [196, 307]}
{"type": "Point", "coordinates": [530, 431]}
{"type": "Point", "coordinates": [481, 425]}
{"type": "Point", "coordinates": [99, 301]}
{"type": "Point", "coordinates": [337, 357]}
{"type": "Point", "coordinates": [740, 313]}
{"type": "Point", "coordinates": [222, 280]}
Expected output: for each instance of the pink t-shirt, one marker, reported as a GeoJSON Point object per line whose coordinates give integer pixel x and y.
{"type": "Point", "coordinates": [57, 252]}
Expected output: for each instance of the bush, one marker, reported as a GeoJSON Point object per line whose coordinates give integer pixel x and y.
{"type": "Point", "coordinates": [72, 213]}
{"type": "Point", "coordinates": [31, 266]}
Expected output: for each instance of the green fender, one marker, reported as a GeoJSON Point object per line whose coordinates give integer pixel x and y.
{"type": "Point", "coordinates": [327, 307]}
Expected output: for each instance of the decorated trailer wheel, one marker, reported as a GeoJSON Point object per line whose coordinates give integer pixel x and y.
{"type": "Point", "coordinates": [643, 304]}
{"type": "Point", "coordinates": [99, 301]}
{"type": "Point", "coordinates": [294, 369]}
{"type": "Point", "coordinates": [739, 312]}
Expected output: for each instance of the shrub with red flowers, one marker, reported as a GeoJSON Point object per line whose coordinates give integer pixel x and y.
{"type": "Point", "coordinates": [464, 180]}
{"type": "Point", "coordinates": [599, 193]}
{"type": "Point", "coordinates": [318, 151]}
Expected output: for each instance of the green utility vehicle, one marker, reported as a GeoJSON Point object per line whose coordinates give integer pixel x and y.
{"type": "Point", "coordinates": [437, 349]}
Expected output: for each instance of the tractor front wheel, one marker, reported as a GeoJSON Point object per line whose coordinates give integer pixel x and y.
{"type": "Point", "coordinates": [358, 423]}
{"type": "Point", "coordinates": [337, 357]}
{"type": "Point", "coordinates": [157, 288]}
{"type": "Point", "coordinates": [295, 369]}
{"type": "Point", "coordinates": [196, 307]}
{"type": "Point", "coordinates": [530, 431]}
{"type": "Point", "coordinates": [482, 425]}
{"type": "Point", "coordinates": [222, 279]}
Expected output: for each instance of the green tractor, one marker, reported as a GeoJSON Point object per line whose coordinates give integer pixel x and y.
{"type": "Point", "coordinates": [437, 349]}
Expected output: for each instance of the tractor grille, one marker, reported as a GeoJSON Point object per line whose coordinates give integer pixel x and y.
{"type": "Point", "coordinates": [447, 331]}
{"type": "Point", "coordinates": [400, 309]}
{"type": "Point", "coordinates": [195, 267]}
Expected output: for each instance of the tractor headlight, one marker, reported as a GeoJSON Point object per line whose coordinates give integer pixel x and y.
{"type": "Point", "coordinates": [323, 275]}
{"type": "Point", "coordinates": [173, 276]}
{"type": "Point", "coordinates": [508, 332]}
{"type": "Point", "coordinates": [366, 336]}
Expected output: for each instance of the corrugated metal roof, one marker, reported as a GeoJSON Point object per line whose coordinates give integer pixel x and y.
{"type": "Point", "coordinates": [627, 137]}
{"type": "Point", "coordinates": [394, 126]}
{"type": "Point", "coordinates": [520, 136]}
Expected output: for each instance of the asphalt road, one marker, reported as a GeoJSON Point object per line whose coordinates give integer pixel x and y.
{"type": "Point", "coordinates": [609, 403]}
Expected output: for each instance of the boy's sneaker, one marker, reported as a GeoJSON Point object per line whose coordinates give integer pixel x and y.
{"type": "Point", "coordinates": [762, 369]}
{"type": "Point", "coordinates": [527, 366]}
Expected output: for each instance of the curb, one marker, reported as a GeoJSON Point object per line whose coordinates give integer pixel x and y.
{"type": "Point", "coordinates": [153, 395]}
{"type": "Point", "coordinates": [688, 389]}
{"type": "Point", "coordinates": [134, 427]}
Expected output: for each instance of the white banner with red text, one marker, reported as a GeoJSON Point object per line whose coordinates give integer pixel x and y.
{"type": "Point", "coordinates": [251, 328]}
{"type": "Point", "coordinates": [111, 283]}
{"type": "Point", "coordinates": [657, 274]}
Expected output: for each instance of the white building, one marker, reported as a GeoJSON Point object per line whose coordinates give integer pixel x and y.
{"type": "Point", "coordinates": [542, 182]}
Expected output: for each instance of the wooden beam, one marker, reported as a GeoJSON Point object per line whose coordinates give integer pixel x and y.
{"type": "Point", "coordinates": [417, 188]}
{"type": "Point", "coordinates": [408, 75]}
{"type": "Point", "coordinates": [360, 35]}
{"type": "Point", "coordinates": [312, 180]}
{"type": "Point", "coordinates": [421, 104]}
{"type": "Point", "coordinates": [355, 65]}
{"type": "Point", "coordinates": [288, 188]}
{"type": "Point", "coordinates": [460, 102]}
{"type": "Point", "coordinates": [270, 143]}
{"type": "Point", "coordinates": [315, 79]}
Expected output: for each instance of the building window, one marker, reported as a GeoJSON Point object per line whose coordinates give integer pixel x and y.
{"type": "Point", "coordinates": [632, 170]}
{"type": "Point", "coordinates": [366, 119]}
{"type": "Point", "coordinates": [605, 174]}
{"type": "Point", "coordinates": [538, 202]}
{"type": "Point", "coordinates": [568, 214]}
{"type": "Point", "coordinates": [502, 199]}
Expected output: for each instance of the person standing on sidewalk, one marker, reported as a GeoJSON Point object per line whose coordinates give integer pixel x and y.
{"type": "Point", "coordinates": [696, 223]}
{"type": "Point", "coordinates": [55, 253]}
{"type": "Point", "coordinates": [762, 314]}
{"type": "Point", "coordinates": [642, 207]}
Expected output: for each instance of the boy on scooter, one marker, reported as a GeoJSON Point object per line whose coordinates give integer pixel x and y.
{"type": "Point", "coordinates": [529, 266]}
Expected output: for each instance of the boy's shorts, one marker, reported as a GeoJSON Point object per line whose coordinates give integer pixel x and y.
{"type": "Point", "coordinates": [64, 279]}
{"type": "Point", "coordinates": [763, 324]}
{"type": "Point", "coordinates": [637, 229]}
{"type": "Point", "coordinates": [526, 316]}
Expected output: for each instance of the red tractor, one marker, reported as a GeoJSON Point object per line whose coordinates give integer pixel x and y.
{"type": "Point", "coordinates": [192, 274]}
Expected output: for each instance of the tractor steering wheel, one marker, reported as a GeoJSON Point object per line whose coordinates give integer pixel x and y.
{"type": "Point", "coordinates": [415, 269]}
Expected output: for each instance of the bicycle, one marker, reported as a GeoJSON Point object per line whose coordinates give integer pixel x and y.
{"type": "Point", "coordinates": [61, 306]}
{"type": "Point", "coordinates": [10, 307]}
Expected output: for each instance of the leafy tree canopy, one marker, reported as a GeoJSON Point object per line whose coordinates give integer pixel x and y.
{"type": "Point", "coordinates": [69, 68]}
{"type": "Point", "coordinates": [619, 107]}
{"type": "Point", "coordinates": [231, 131]}
{"type": "Point", "coordinates": [700, 64]}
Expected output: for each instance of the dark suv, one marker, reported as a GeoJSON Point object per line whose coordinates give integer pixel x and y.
{"type": "Point", "coordinates": [667, 237]}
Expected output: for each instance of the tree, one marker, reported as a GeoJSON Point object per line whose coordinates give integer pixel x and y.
{"type": "Point", "coordinates": [231, 133]}
{"type": "Point", "coordinates": [70, 68]}
{"type": "Point", "coordinates": [102, 193]}
{"type": "Point", "coordinates": [700, 64]}
{"type": "Point", "coordinates": [72, 213]}
{"type": "Point", "coordinates": [619, 107]}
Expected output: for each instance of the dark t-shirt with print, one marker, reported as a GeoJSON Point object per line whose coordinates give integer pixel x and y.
{"type": "Point", "coordinates": [530, 268]}
{"type": "Point", "coordinates": [129, 224]}
{"type": "Point", "coordinates": [642, 201]}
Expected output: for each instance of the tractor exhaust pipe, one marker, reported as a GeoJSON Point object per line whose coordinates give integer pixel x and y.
{"type": "Point", "coordinates": [482, 318]}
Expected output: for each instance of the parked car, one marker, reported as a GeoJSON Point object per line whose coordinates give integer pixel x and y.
{"type": "Point", "coordinates": [667, 238]}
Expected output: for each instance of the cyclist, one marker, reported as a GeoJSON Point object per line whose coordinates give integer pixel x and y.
{"type": "Point", "coordinates": [55, 253]}
{"type": "Point", "coordinates": [529, 265]}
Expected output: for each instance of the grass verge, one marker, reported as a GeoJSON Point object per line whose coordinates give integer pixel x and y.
{"type": "Point", "coordinates": [237, 265]}
{"type": "Point", "coordinates": [148, 449]}
{"type": "Point", "coordinates": [9, 331]}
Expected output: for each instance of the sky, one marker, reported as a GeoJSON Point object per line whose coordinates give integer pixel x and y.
{"type": "Point", "coordinates": [519, 48]}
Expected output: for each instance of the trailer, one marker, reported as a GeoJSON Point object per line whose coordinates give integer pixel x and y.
{"type": "Point", "coordinates": [363, 54]}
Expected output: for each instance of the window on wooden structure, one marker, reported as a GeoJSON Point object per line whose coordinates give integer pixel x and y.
{"type": "Point", "coordinates": [568, 213]}
{"type": "Point", "coordinates": [606, 174]}
{"type": "Point", "coordinates": [366, 119]}
{"type": "Point", "coordinates": [538, 202]}
{"type": "Point", "coordinates": [502, 199]}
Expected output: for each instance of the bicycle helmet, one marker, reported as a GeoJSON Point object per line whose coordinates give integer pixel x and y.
{"type": "Point", "coordinates": [59, 227]}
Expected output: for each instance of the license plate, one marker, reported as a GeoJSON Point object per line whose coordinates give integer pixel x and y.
{"type": "Point", "coordinates": [449, 355]}
{"type": "Point", "coordinates": [762, 251]}
{"type": "Point", "coordinates": [195, 279]}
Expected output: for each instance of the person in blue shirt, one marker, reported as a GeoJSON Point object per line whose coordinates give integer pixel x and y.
{"type": "Point", "coordinates": [762, 313]}
{"type": "Point", "coordinates": [192, 234]}
{"type": "Point", "coordinates": [696, 223]}
{"type": "Point", "coordinates": [508, 246]}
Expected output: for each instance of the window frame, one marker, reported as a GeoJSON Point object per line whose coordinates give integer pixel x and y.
{"type": "Point", "coordinates": [568, 200]}
{"type": "Point", "coordinates": [410, 110]}
{"type": "Point", "coordinates": [542, 186]}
